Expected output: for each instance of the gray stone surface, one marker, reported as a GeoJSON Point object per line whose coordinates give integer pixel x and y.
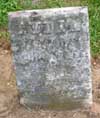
{"type": "Point", "coordinates": [51, 53]}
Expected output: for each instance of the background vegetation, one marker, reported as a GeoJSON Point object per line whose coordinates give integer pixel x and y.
{"type": "Point", "coordinates": [94, 15]}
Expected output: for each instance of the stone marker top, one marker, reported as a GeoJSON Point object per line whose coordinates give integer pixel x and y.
{"type": "Point", "coordinates": [49, 12]}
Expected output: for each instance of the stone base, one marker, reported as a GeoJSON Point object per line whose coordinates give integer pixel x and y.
{"type": "Point", "coordinates": [55, 105]}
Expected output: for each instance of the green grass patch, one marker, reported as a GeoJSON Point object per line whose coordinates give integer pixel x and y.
{"type": "Point", "coordinates": [94, 15]}
{"type": "Point", "coordinates": [4, 35]}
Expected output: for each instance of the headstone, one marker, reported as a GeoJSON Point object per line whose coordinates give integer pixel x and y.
{"type": "Point", "coordinates": [51, 53]}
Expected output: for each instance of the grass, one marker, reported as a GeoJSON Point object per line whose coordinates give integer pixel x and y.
{"type": "Point", "coordinates": [94, 15]}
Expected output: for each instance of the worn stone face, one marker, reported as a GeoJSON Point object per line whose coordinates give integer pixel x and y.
{"type": "Point", "coordinates": [51, 55]}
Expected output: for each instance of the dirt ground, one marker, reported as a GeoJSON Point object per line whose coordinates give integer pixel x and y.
{"type": "Point", "coordinates": [9, 100]}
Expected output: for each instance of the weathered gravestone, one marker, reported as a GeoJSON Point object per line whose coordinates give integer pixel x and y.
{"type": "Point", "coordinates": [51, 55]}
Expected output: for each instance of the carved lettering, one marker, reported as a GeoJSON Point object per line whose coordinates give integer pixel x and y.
{"type": "Point", "coordinates": [61, 26]}
{"type": "Point", "coordinates": [44, 28]}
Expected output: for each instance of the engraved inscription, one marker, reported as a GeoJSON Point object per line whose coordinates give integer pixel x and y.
{"type": "Point", "coordinates": [49, 27]}
{"type": "Point", "coordinates": [45, 27]}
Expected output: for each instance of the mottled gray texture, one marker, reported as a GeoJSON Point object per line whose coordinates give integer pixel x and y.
{"type": "Point", "coordinates": [51, 53]}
